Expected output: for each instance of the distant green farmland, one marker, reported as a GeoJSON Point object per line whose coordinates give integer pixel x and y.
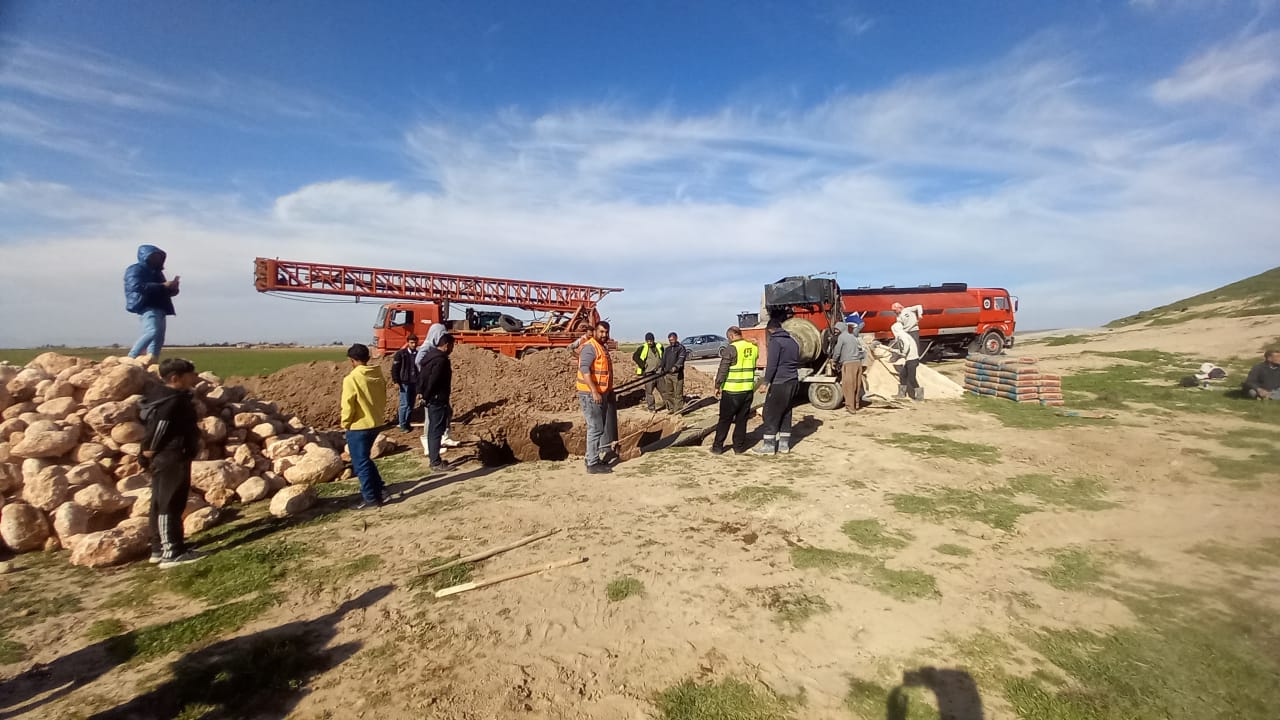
{"type": "Point", "coordinates": [224, 362]}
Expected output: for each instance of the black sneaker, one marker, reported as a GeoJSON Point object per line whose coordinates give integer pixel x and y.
{"type": "Point", "coordinates": [598, 469]}
{"type": "Point", "coordinates": [440, 466]}
{"type": "Point", "coordinates": [717, 450]}
{"type": "Point", "coordinates": [185, 558]}
{"type": "Point", "coordinates": [366, 505]}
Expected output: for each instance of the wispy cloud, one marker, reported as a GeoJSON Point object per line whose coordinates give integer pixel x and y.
{"type": "Point", "coordinates": [1030, 171]}
{"type": "Point", "coordinates": [1237, 72]}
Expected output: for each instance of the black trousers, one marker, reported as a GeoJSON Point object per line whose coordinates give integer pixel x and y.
{"type": "Point", "coordinates": [909, 375]}
{"type": "Point", "coordinates": [170, 486]}
{"type": "Point", "coordinates": [777, 407]}
{"type": "Point", "coordinates": [735, 409]}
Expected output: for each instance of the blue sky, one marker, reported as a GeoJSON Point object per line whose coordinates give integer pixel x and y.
{"type": "Point", "coordinates": [1093, 157]}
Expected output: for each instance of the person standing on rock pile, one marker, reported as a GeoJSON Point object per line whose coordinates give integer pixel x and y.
{"type": "Point", "coordinates": [434, 333]}
{"type": "Point", "coordinates": [595, 396]}
{"type": "Point", "coordinates": [149, 295]}
{"type": "Point", "coordinates": [364, 405]}
{"type": "Point", "coordinates": [673, 359]}
{"type": "Point", "coordinates": [648, 360]}
{"type": "Point", "coordinates": [735, 386]}
{"type": "Point", "coordinates": [170, 443]}
{"type": "Point", "coordinates": [436, 386]}
{"type": "Point", "coordinates": [781, 380]}
{"type": "Point", "coordinates": [404, 371]}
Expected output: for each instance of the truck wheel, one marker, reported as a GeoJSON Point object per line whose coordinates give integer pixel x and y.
{"type": "Point", "coordinates": [992, 343]}
{"type": "Point", "coordinates": [824, 395]}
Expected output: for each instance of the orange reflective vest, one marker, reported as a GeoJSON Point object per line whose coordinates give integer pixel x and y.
{"type": "Point", "coordinates": [601, 378]}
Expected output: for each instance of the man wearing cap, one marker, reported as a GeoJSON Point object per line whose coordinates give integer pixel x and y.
{"type": "Point", "coordinates": [849, 356]}
{"type": "Point", "coordinates": [909, 316]}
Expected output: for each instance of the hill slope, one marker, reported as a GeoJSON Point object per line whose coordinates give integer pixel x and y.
{"type": "Point", "coordinates": [1257, 295]}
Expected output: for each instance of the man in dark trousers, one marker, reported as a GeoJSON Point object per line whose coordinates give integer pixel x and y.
{"type": "Point", "coordinates": [1263, 381]}
{"type": "Point", "coordinates": [404, 372]}
{"type": "Point", "coordinates": [781, 378]}
{"type": "Point", "coordinates": [735, 386]}
{"type": "Point", "coordinates": [436, 383]}
{"type": "Point", "coordinates": [673, 359]}
{"type": "Point", "coordinates": [149, 295]}
{"type": "Point", "coordinates": [171, 442]}
{"type": "Point", "coordinates": [648, 360]}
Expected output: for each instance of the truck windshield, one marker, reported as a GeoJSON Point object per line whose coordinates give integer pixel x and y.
{"type": "Point", "coordinates": [1002, 303]}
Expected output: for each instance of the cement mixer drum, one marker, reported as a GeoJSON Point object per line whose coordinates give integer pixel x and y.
{"type": "Point", "coordinates": [807, 336]}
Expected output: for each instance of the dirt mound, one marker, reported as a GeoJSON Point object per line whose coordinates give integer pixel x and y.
{"type": "Point", "coordinates": [485, 385]}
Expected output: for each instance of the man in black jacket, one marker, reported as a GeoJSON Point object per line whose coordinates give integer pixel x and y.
{"type": "Point", "coordinates": [435, 385]}
{"type": "Point", "coordinates": [1263, 381]}
{"type": "Point", "coordinates": [781, 379]}
{"type": "Point", "coordinates": [404, 372]}
{"type": "Point", "coordinates": [673, 359]}
{"type": "Point", "coordinates": [171, 442]}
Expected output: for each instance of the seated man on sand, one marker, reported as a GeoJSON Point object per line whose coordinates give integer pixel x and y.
{"type": "Point", "coordinates": [1263, 382]}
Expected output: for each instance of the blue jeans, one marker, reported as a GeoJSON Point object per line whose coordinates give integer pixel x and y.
{"type": "Point", "coordinates": [153, 324]}
{"type": "Point", "coordinates": [360, 444]}
{"type": "Point", "coordinates": [408, 397]}
{"type": "Point", "coordinates": [594, 413]}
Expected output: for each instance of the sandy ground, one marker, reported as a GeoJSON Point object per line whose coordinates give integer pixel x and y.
{"type": "Point", "coordinates": [553, 646]}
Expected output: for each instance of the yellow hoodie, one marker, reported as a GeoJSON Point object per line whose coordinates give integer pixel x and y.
{"type": "Point", "coordinates": [364, 398]}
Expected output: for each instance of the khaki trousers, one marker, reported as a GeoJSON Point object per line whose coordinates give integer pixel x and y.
{"type": "Point", "coordinates": [851, 385]}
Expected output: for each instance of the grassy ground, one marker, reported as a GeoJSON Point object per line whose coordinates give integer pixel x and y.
{"type": "Point", "coordinates": [1259, 295]}
{"type": "Point", "coordinates": [224, 362]}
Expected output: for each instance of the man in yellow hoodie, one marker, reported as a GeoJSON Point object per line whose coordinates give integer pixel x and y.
{"type": "Point", "coordinates": [364, 405]}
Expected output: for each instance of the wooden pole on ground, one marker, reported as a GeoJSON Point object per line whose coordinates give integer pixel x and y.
{"type": "Point", "coordinates": [491, 552]}
{"type": "Point", "coordinates": [509, 576]}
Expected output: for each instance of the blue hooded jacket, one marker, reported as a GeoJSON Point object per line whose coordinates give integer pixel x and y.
{"type": "Point", "coordinates": [144, 285]}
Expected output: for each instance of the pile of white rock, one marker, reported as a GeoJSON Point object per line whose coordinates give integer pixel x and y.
{"type": "Point", "coordinates": [69, 444]}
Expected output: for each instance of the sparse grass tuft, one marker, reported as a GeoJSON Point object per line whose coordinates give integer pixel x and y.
{"type": "Point", "coordinates": [105, 628]}
{"type": "Point", "coordinates": [900, 584]}
{"type": "Point", "coordinates": [1074, 569]}
{"type": "Point", "coordinates": [992, 508]}
{"type": "Point", "coordinates": [620, 589]}
{"type": "Point", "coordinates": [930, 446]}
{"type": "Point", "coordinates": [759, 495]}
{"type": "Point", "coordinates": [403, 467]}
{"type": "Point", "coordinates": [791, 606]}
{"type": "Point", "coordinates": [1264, 459]}
{"type": "Point", "coordinates": [455, 575]}
{"type": "Point", "coordinates": [11, 651]}
{"type": "Point", "coordinates": [871, 533]}
{"type": "Point", "coordinates": [809, 558]}
{"type": "Point", "coordinates": [953, 550]}
{"type": "Point", "coordinates": [1028, 416]}
{"type": "Point", "coordinates": [337, 489]}
{"type": "Point", "coordinates": [234, 573]}
{"type": "Point", "coordinates": [157, 640]}
{"type": "Point", "coordinates": [946, 427]}
{"type": "Point", "coordinates": [869, 700]}
{"type": "Point", "coordinates": [1265, 555]}
{"type": "Point", "coordinates": [728, 699]}
{"type": "Point", "coordinates": [1077, 494]}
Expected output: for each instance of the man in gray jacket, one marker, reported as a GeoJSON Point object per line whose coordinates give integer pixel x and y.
{"type": "Point", "coordinates": [849, 356]}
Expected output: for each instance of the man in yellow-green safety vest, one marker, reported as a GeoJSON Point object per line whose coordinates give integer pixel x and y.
{"type": "Point", "coordinates": [648, 359]}
{"type": "Point", "coordinates": [735, 386]}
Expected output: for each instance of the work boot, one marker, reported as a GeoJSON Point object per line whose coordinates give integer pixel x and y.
{"type": "Point", "coordinates": [768, 446]}
{"type": "Point", "coordinates": [902, 392]}
{"type": "Point", "coordinates": [717, 450]}
{"type": "Point", "coordinates": [784, 443]}
{"type": "Point", "coordinates": [919, 394]}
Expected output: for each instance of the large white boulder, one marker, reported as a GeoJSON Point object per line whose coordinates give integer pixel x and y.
{"type": "Point", "coordinates": [127, 541]}
{"type": "Point", "coordinates": [293, 500]}
{"type": "Point", "coordinates": [253, 489]}
{"type": "Point", "coordinates": [70, 519]}
{"type": "Point", "coordinates": [101, 499]}
{"type": "Point", "coordinates": [45, 439]}
{"type": "Point", "coordinates": [318, 465]}
{"type": "Point", "coordinates": [128, 432]}
{"type": "Point", "coordinates": [23, 527]}
{"type": "Point", "coordinates": [116, 383]}
{"type": "Point", "coordinates": [47, 490]}
{"type": "Point", "coordinates": [199, 521]}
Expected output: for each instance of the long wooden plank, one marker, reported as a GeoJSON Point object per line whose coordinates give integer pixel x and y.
{"type": "Point", "coordinates": [491, 552]}
{"type": "Point", "coordinates": [464, 587]}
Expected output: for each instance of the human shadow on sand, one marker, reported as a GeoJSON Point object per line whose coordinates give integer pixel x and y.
{"type": "Point", "coordinates": [955, 690]}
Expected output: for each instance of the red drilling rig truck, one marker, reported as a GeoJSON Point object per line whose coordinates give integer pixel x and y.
{"type": "Point", "coordinates": [416, 300]}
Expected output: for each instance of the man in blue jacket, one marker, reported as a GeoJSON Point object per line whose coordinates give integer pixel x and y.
{"type": "Point", "coordinates": [148, 294]}
{"type": "Point", "coordinates": [781, 382]}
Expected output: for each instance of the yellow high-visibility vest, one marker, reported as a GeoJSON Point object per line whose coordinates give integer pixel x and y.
{"type": "Point", "coordinates": [742, 374]}
{"type": "Point", "coordinates": [644, 353]}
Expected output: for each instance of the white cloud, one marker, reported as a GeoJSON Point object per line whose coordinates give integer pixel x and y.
{"type": "Point", "coordinates": [1017, 173]}
{"type": "Point", "coordinates": [1236, 72]}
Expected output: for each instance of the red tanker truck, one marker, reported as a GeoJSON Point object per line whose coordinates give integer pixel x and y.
{"type": "Point", "coordinates": [957, 319]}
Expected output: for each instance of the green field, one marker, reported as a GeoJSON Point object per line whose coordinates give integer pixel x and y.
{"type": "Point", "coordinates": [224, 362]}
{"type": "Point", "coordinates": [1258, 295]}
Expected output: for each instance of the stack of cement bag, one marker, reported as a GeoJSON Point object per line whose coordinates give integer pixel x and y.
{"type": "Point", "coordinates": [1016, 379]}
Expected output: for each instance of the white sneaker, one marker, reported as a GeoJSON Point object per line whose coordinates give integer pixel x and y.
{"type": "Point", "coordinates": [449, 442]}
{"type": "Point", "coordinates": [185, 558]}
